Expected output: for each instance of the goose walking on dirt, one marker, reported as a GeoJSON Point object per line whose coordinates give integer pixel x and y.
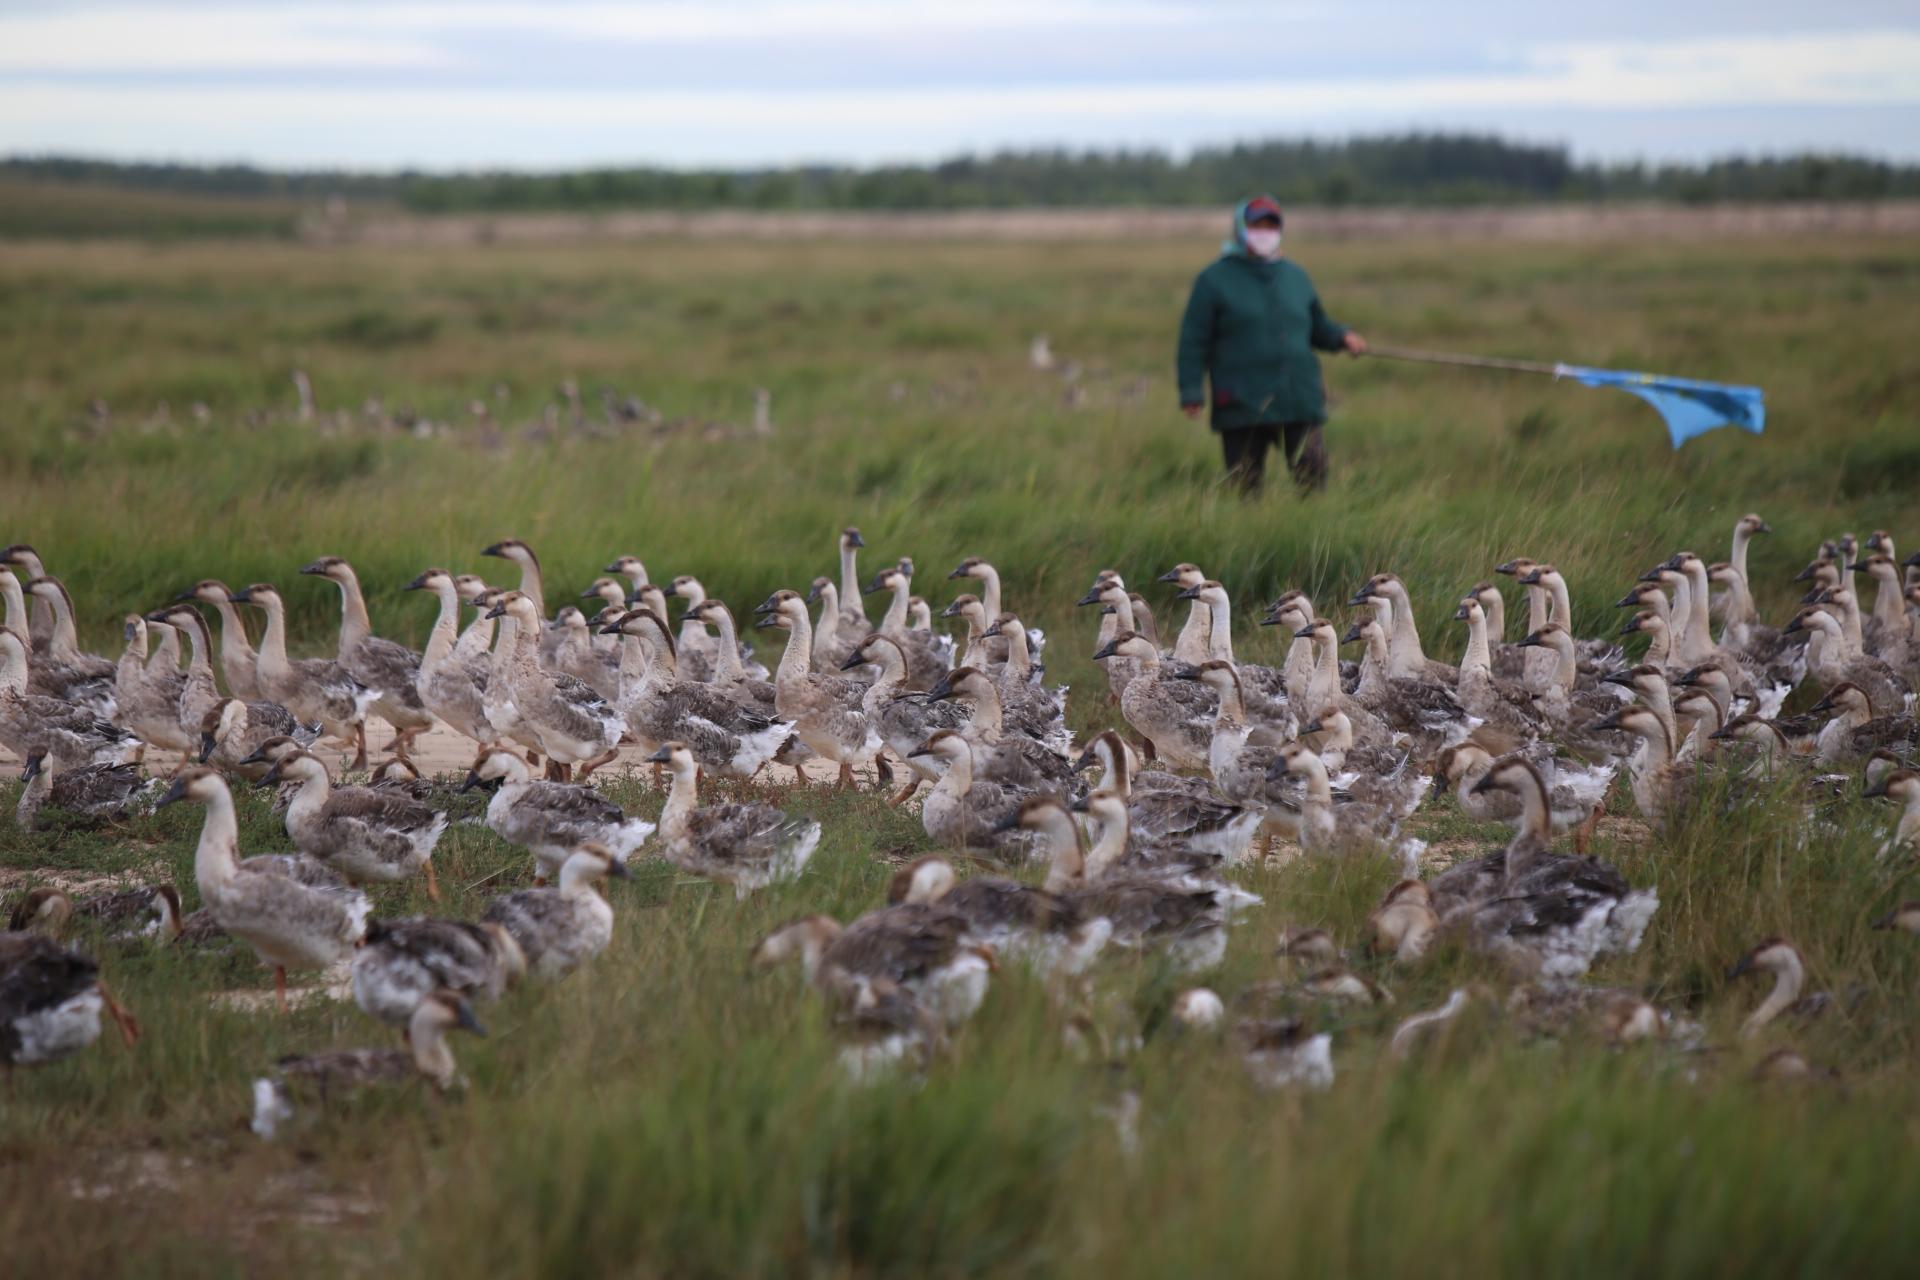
{"type": "Point", "coordinates": [574, 724]}
{"type": "Point", "coordinates": [239, 664]}
{"type": "Point", "coordinates": [827, 711]}
{"type": "Point", "coordinates": [314, 689]}
{"type": "Point", "coordinates": [34, 724]}
{"type": "Point", "coordinates": [391, 670]}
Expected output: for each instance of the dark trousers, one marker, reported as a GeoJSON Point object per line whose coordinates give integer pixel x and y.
{"type": "Point", "coordinates": [1246, 450]}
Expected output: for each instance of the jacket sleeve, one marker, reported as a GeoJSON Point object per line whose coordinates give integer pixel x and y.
{"type": "Point", "coordinates": [1326, 335]}
{"type": "Point", "coordinates": [1196, 342]}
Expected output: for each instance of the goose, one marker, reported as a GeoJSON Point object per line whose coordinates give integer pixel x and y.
{"type": "Point", "coordinates": [142, 914]}
{"type": "Point", "coordinates": [929, 656]}
{"type": "Point", "coordinates": [51, 999]}
{"type": "Point", "coordinates": [1691, 616]}
{"type": "Point", "coordinates": [1022, 693]}
{"type": "Point", "coordinates": [1185, 916]}
{"type": "Point", "coordinates": [238, 661]}
{"type": "Point", "coordinates": [1782, 959]}
{"type": "Point", "coordinates": [1660, 653]}
{"type": "Point", "coordinates": [1427, 713]}
{"type": "Point", "coordinates": [903, 721]}
{"type": "Point", "coordinates": [1648, 683]}
{"type": "Point", "coordinates": [852, 614]}
{"type": "Point", "coordinates": [1537, 666]}
{"type": "Point", "coordinates": [611, 595]}
{"type": "Point", "coordinates": [1576, 793]}
{"type": "Point", "coordinates": [33, 724]}
{"type": "Point", "coordinates": [965, 812]}
{"type": "Point", "coordinates": [1019, 921]}
{"type": "Point", "coordinates": [973, 616]}
{"type": "Point", "coordinates": [1845, 606]}
{"type": "Point", "coordinates": [575, 725]}
{"type": "Point", "coordinates": [1404, 924]}
{"type": "Point", "coordinates": [1263, 689]}
{"type": "Point", "coordinates": [1662, 787]}
{"type": "Point", "coordinates": [477, 637]}
{"type": "Point", "coordinates": [341, 1073]}
{"type": "Point", "coordinates": [1017, 758]}
{"type": "Point", "coordinates": [39, 630]}
{"type": "Point", "coordinates": [749, 687]}
{"type": "Point", "coordinates": [1115, 855]}
{"type": "Point", "coordinates": [61, 670]}
{"type": "Point", "coordinates": [919, 614]}
{"type": "Point", "coordinates": [1593, 657]}
{"type": "Point", "coordinates": [1550, 913]}
{"type": "Point", "coordinates": [830, 645]}
{"type": "Point", "coordinates": [1496, 700]}
{"type": "Point", "coordinates": [1679, 612]}
{"type": "Point", "coordinates": [92, 793]}
{"type": "Point", "coordinates": [391, 670]}
{"type": "Point", "coordinates": [1888, 633]}
{"type": "Point", "coordinates": [1413, 1030]}
{"type": "Point", "coordinates": [1240, 752]}
{"type": "Point", "coordinates": [233, 731]}
{"type": "Point", "coordinates": [450, 685]}
{"type": "Point", "coordinates": [925, 949]}
{"type": "Point", "coordinates": [1330, 734]}
{"type": "Point", "coordinates": [825, 710]}
{"type": "Point", "coordinates": [989, 579]}
{"type": "Point", "coordinates": [561, 927]}
{"type": "Point", "coordinates": [288, 924]}
{"type": "Point", "coordinates": [1902, 786]}
{"type": "Point", "coordinates": [1292, 611]}
{"type": "Point", "coordinates": [1327, 686]}
{"type": "Point", "coordinates": [1835, 663]}
{"type": "Point", "coordinates": [1281, 1053]}
{"type": "Point", "coordinates": [1167, 812]}
{"type": "Point", "coordinates": [1371, 823]}
{"type": "Point", "coordinates": [405, 961]}
{"type": "Point", "coordinates": [1562, 698]}
{"type": "Point", "coordinates": [1905, 917]}
{"type": "Point", "coordinates": [1175, 716]}
{"type": "Point", "coordinates": [496, 697]}
{"type": "Point", "coordinates": [1770, 747]}
{"type": "Point", "coordinates": [749, 846]}
{"type": "Point", "coordinates": [1855, 732]}
{"type": "Point", "coordinates": [1614, 1016]}
{"type": "Point", "coordinates": [550, 819]}
{"type": "Point", "coordinates": [1698, 711]}
{"type": "Point", "coordinates": [312, 688]}
{"type": "Point", "coordinates": [15, 602]}
{"type": "Point", "coordinates": [368, 835]}
{"type": "Point", "coordinates": [697, 651]}
{"type": "Point", "coordinates": [1745, 530]}
{"type": "Point", "coordinates": [1191, 645]}
{"type": "Point", "coordinates": [533, 587]}
{"type": "Point", "coordinates": [199, 694]}
{"type": "Point", "coordinates": [1116, 615]}
{"type": "Point", "coordinates": [581, 654]}
{"type": "Point", "coordinates": [1745, 672]}
{"type": "Point", "coordinates": [630, 568]}
{"type": "Point", "coordinates": [721, 732]}
{"type": "Point", "coordinates": [1507, 661]}
{"type": "Point", "coordinates": [1408, 660]}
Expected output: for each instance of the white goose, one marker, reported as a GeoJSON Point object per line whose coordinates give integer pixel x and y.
{"type": "Point", "coordinates": [559, 928]}
{"type": "Point", "coordinates": [314, 689]}
{"type": "Point", "coordinates": [550, 819]}
{"type": "Point", "coordinates": [390, 670]}
{"type": "Point", "coordinates": [748, 846]}
{"type": "Point", "coordinates": [370, 835]}
{"type": "Point", "coordinates": [238, 661]}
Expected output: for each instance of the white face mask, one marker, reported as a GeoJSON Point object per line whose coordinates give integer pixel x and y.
{"type": "Point", "coordinates": [1263, 242]}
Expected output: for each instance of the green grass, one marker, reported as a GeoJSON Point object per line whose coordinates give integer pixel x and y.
{"type": "Point", "coordinates": [669, 1112]}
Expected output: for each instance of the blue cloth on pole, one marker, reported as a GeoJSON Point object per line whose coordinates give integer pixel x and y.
{"type": "Point", "coordinates": [1689, 407]}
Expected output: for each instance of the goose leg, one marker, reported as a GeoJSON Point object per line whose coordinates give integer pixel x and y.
{"type": "Point", "coordinates": [128, 1024]}
{"type": "Point", "coordinates": [360, 746]}
{"type": "Point", "coordinates": [587, 768]}
{"type": "Point", "coordinates": [905, 793]}
{"type": "Point", "coordinates": [280, 988]}
{"type": "Point", "coordinates": [1583, 834]}
{"type": "Point", "coordinates": [433, 882]}
{"type": "Point", "coordinates": [846, 776]}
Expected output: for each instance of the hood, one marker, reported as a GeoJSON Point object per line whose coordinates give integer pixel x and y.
{"type": "Point", "coordinates": [1235, 245]}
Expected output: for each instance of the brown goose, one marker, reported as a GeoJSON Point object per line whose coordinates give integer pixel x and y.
{"type": "Point", "coordinates": [748, 846]}
{"type": "Point", "coordinates": [719, 731]}
{"type": "Point", "coordinates": [370, 835]}
{"type": "Point", "coordinates": [390, 670]}
{"type": "Point", "coordinates": [929, 656]}
{"type": "Point", "coordinates": [451, 685]}
{"type": "Point", "coordinates": [826, 711]}
{"type": "Point", "coordinates": [238, 661]}
{"type": "Point", "coordinates": [32, 724]}
{"type": "Point", "coordinates": [61, 670]}
{"type": "Point", "coordinates": [312, 688]}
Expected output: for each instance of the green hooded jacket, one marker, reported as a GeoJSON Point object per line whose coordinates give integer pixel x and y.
{"type": "Point", "coordinates": [1251, 327]}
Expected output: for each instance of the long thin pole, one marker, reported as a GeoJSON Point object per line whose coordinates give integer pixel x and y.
{"type": "Point", "coordinates": [1448, 357]}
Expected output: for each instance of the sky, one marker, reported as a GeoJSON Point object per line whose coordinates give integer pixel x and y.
{"type": "Point", "coordinates": [551, 84]}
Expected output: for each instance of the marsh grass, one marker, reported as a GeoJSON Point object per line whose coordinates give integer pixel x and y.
{"type": "Point", "coordinates": [672, 1112]}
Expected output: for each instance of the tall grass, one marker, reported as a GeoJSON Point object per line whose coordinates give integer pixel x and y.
{"type": "Point", "coordinates": [671, 1112]}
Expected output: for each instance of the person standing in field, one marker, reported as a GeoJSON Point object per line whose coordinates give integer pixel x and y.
{"type": "Point", "coordinates": [1251, 328]}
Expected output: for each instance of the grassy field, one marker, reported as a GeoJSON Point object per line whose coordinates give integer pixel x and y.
{"type": "Point", "coordinates": [670, 1113]}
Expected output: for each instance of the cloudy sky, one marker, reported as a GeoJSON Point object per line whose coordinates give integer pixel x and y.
{"type": "Point", "coordinates": [446, 84]}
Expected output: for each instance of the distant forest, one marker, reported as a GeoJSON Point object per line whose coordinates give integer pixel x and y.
{"type": "Point", "coordinates": [1402, 169]}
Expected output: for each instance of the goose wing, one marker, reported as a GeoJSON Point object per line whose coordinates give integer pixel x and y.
{"type": "Point", "coordinates": [904, 942]}
{"type": "Point", "coordinates": [390, 668]}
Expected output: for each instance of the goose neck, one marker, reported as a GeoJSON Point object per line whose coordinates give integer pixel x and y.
{"type": "Point", "coordinates": [216, 859]}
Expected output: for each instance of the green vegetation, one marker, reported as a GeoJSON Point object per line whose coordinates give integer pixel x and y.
{"type": "Point", "coordinates": [669, 1112]}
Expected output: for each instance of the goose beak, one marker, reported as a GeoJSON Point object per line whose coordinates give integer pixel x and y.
{"type": "Point", "coordinates": [1630, 626]}
{"type": "Point", "coordinates": [498, 611]}
{"type": "Point", "coordinates": [498, 549]}
{"type": "Point", "coordinates": [1877, 789]}
{"type": "Point", "coordinates": [960, 572]}
{"type": "Point", "coordinates": [1623, 677]}
{"type": "Point", "coordinates": [1191, 593]}
{"type": "Point", "coordinates": [1722, 734]}
{"type": "Point", "coordinates": [1795, 625]}
{"type": "Point", "coordinates": [612, 568]}
{"type": "Point", "coordinates": [127, 631]}
{"type": "Point", "coordinates": [1353, 633]}
{"type": "Point", "coordinates": [242, 596]}
{"type": "Point", "coordinates": [813, 594]}
{"type": "Point", "coordinates": [183, 596]}
{"type": "Point", "coordinates": [1819, 595]}
{"type": "Point", "coordinates": [1092, 597]}
{"type": "Point", "coordinates": [619, 870]}
{"type": "Point", "coordinates": [32, 770]}
{"type": "Point", "coordinates": [941, 691]}
{"type": "Point", "coordinates": [662, 756]}
{"type": "Point", "coordinates": [178, 791]}
{"type": "Point", "coordinates": [991, 632]}
{"type": "Point", "coordinates": [1611, 722]}
{"type": "Point", "coordinates": [1631, 600]}
{"type": "Point", "coordinates": [1483, 786]}
{"type": "Point", "coordinates": [766, 606]}
{"type": "Point", "coordinates": [316, 568]}
{"type": "Point", "coordinates": [473, 780]}
{"type": "Point", "coordinates": [854, 539]}
{"type": "Point", "coordinates": [1315, 725]}
{"type": "Point", "coordinates": [418, 584]}
{"type": "Point", "coordinates": [1304, 633]}
{"type": "Point", "coordinates": [255, 758]}
{"type": "Point", "coordinates": [1106, 650]}
{"type": "Point", "coordinates": [1742, 966]}
{"type": "Point", "coordinates": [158, 615]}
{"type": "Point", "coordinates": [206, 747]}
{"type": "Point", "coordinates": [1806, 574]}
{"type": "Point", "coordinates": [1186, 671]}
{"type": "Point", "coordinates": [273, 774]}
{"type": "Point", "coordinates": [1912, 561]}
{"type": "Point", "coordinates": [953, 610]}
{"type": "Point", "coordinates": [1085, 761]}
{"type": "Point", "coordinates": [855, 659]}
{"type": "Point", "coordinates": [1461, 614]}
{"type": "Point", "coordinates": [465, 1018]}
{"type": "Point", "coordinates": [1171, 575]}
{"type": "Point", "coordinates": [1363, 596]}
{"type": "Point", "coordinates": [877, 585]}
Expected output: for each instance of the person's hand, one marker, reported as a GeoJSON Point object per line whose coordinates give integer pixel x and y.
{"type": "Point", "coordinates": [1354, 343]}
{"type": "Point", "coordinates": [1192, 410]}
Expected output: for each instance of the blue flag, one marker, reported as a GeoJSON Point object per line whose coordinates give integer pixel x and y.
{"type": "Point", "coordinates": [1689, 407]}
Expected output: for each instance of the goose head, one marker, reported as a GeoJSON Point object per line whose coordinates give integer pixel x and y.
{"type": "Point", "coordinates": [945, 745]}
{"type": "Point", "coordinates": [1906, 916]}
{"type": "Point", "coordinates": [1332, 722]}
{"type": "Point", "coordinates": [781, 609]}
{"type": "Point", "coordinates": [1751, 524]}
{"type": "Point", "coordinates": [967, 606]}
{"type": "Point", "coordinates": [688, 588]}
{"type": "Point", "coordinates": [1184, 575]}
{"type": "Point", "coordinates": [1537, 574]}
{"type": "Point", "coordinates": [1517, 567]}
{"type": "Point", "coordinates": [493, 766]}
{"type": "Point", "coordinates": [642, 624]}
{"type": "Point", "coordinates": [517, 605]}
{"type": "Point", "coordinates": [1822, 571]}
{"type": "Point", "coordinates": [1881, 568]}
{"type": "Point", "coordinates": [220, 721]}
{"type": "Point", "coordinates": [1296, 758]}
{"type": "Point", "coordinates": [1126, 644]}
{"type": "Point", "coordinates": [888, 579]}
{"type": "Point", "coordinates": [1643, 595]}
{"type": "Point", "coordinates": [261, 595]}
{"type": "Point", "coordinates": [1107, 587]}
{"type": "Point", "coordinates": [962, 682]}
{"type": "Point", "coordinates": [1748, 728]}
{"type": "Point", "coordinates": [515, 550]}
{"type": "Point", "coordinates": [470, 586]}
{"type": "Point", "coordinates": [21, 556]}
{"type": "Point", "coordinates": [1513, 775]}
{"type": "Point", "coordinates": [1105, 750]}
{"type": "Point", "coordinates": [919, 614]}
{"type": "Point", "coordinates": [710, 612]}
{"type": "Point", "coordinates": [270, 751]}
{"type": "Point", "coordinates": [971, 567]}
{"type": "Point", "coordinates": [1880, 542]}
{"type": "Point", "coordinates": [1902, 786]}
{"type": "Point", "coordinates": [1320, 631]}
{"type": "Point", "coordinates": [1550, 636]}
{"type": "Point", "coordinates": [1456, 762]}
{"type": "Point", "coordinates": [1771, 955]}
{"type": "Point", "coordinates": [430, 580]}
{"type": "Point", "coordinates": [822, 588]}
{"type": "Point", "coordinates": [850, 539]}
{"type": "Point", "coordinates": [1646, 620]}
{"type": "Point", "coordinates": [805, 939]}
{"type": "Point", "coordinates": [207, 591]}
{"type": "Point", "coordinates": [1722, 574]}
{"type": "Point", "coordinates": [196, 782]}
{"type": "Point", "coordinates": [1047, 817]}
{"type": "Point", "coordinates": [1845, 698]}
{"type": "Point", "coordinates": [1216, 674]}
{"type": "Point", "coordinates": [1699, 704]}
{"type": "Point", "coordinates": [1368, 631]}
{"type": "Point", "coordinates": [571, 620]}
{"type": "Point", "coordinates": [1471, 609]}
{"type": "Point", "coordinates": [1209, 593]}
{"type": "Point", "coordinates": [43, 910]}
{"type": "Point", "coordinates": [628, 567]}
{"type": "Point", "coordinates": [591, 861]}
{"type": "Point", "coordinates": [677, 758]}
{"type": "Point", "coordinates": [1292, 610]}
{"type": "Point", "coordinates": [876, 648]}
{"type": "Point", "coordinates": [1813, 618]}
{"type": "Point", "coordinates": [332, 568]}
{"type": "Point", "coordinates": [1637, 720]}
{"type": "Point", "coordinates": [1381, 586]}
{"type": "Point", "coordinates": [607, 589]}
{"type": "Point", "coordinates": [442, 1011]}
{"type": "Point", "coordinates": [1841, 600]}
{"type": "Point", "coordinates": [295, 766]}
{"type": "Point", "coordinates": [1685, 562]}
{"type": "Point", "coordinates": [1849, 548]}
{"type": "Point", "coordinates": [925, 879]}
{"type": "Point", "coordinates": [1645, 679]}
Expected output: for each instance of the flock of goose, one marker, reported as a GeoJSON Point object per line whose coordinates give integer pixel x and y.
{"type": "Point", "coordinates": [1134, 830]}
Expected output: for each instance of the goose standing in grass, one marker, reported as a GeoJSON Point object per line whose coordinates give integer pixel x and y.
{"type": "Point", "coordinates": [1404, 924]}
{"type": "Point", "coordinates": [1507, 661]}
{"type": "Point", "coordinates": [61, 669]}
{"type": "Point", "coordinates": [582, 654]}
{"type": "Point", "coordinates": [1576, 794]}
{"type": "Point", "coordinates": [1563, 698]}
{"type": "Point", "coordinates": [312, 688]}
{"type": "Point", "coordinates": [51, 999]}
{"type": "Point", "coordinates": [93, 793]}
{"type": "Point", "coordinates": [1782, 959]}
{"type": "Point", "coordinates": [1017, 920]}
{"type": "Point", "coordinates": [1662, 787]}
{"type": "Point", "coordinates": [825, 710]}
{"type": "Point", "coordinates": [749, 687]}
{"type": "Point", "coordinates": [925, 949]}
{"type": "Point", "coordinates": [238, 662]}
{"type": "Point", "coordinates": [550, 819]}
{"type": "Point", "coordinates": [391, 670]}
{"type": "Point", "coordinates": [147, 699]}
{"type": "Point", "coordinates": [26, 562]}
{"type": "Point", "coordinates": [199, 693]}
{"type": "Point", "coordinates": [977, 569]}
{"type": "Point", "coordinates": [1116, 615]}
{"type": "Point", "coordinates": [748, 846]}
{"type": "Point", "coordinates": [561, 927]}
{"type": "Point", "coordinates": [232, 733]}
{"type": "Point", "coordinates": [830, 645]}
{"type": "Point", "coordinates": [929, 656]}
{"type": "Point", "coordinates": [1191, 644]}
{"type": "Point", "coordinates": [368, 834]}
{"type": "Point", "coordinates": [1168, 812]}
{"type": "Point", "coordinates": [288, 924]}
{"type": "Point", "coordinates": [1408, 661]}
{"type": "Point", "coordinates": [1263, 689]}
{"type": "Point", "coordinates": [903, 721]}
{"type": "Point", "coordinates": [1022, 691]}
{"type": "Point", "coordinates": [533, 587]}
{"type": "Point", "coordinates": [477, 637]}
{"type": "Point", "coordinates": [630, 568]}
{"type": "Point", "coordinates": [719, 731]}
{"type": "Point", "coordinates": [574, 724]}
{"type": "Point", "coordinates": [1552, 913]}
{"type": "Point", "coordinates": [1902, 786]}
{"type": "Point", "coordinates": [1854, 732]}
{"type": "Point", "coordinates": [142, 914]}
{"type": "Point", "coordinates": [852, 615]}
{"type": "Point", "coordinates": [339, 1073]}
{"type": "Point", "coordinates": [450, 685]}
{"type": "Point", "coordinates": [1836, 662]}
{"type": "Point", "coordinates": [405, 961]}
{"type": "Point", "coordinates": [1004, 753]}
{"type": "Point", "coordinates": [963, 811]}
{"type": "Point", "coordinates": [1426, 712]}
{"type": "Point", "coordinates": [33, 724]}
{"type": "Point", "coordinates": [1175, 716]}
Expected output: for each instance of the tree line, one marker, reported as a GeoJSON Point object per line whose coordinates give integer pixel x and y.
{"type": "Point", "coordinates": [1414, 168]}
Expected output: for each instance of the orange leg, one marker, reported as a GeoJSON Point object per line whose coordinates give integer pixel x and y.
{"type": "Point", "coordinates": [128, 1024]}
{"type": "Point", "coordinates": [280, 988]}
{"type": "Point", "coordinates": [846, 776]}
{"type": "Point", "coordinates": [433, 882]}
{"type": "Point", "coordinates": [360, 746]}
